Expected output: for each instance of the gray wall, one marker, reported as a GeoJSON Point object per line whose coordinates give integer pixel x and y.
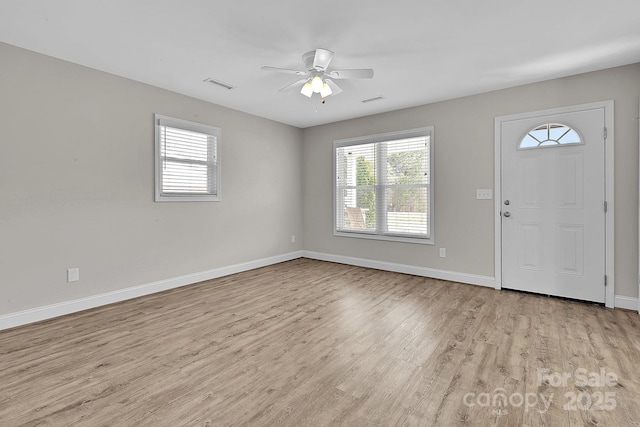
{"type": "Point", "coordinates": [77, 190]}
{"type": "Point", "coordinates": [464, 142]}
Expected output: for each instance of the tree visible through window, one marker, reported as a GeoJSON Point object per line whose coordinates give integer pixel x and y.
{"type": "Point", "coordinates": [383, 186]}
{"type": "Point", "coordinates": [366, 199]}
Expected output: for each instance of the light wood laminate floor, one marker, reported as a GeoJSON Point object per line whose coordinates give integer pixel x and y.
{"type": "Point", "coordinates": [314, 343]}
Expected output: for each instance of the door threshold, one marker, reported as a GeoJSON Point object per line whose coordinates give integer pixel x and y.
{"type": "Point", "coordinates": [602, 304]}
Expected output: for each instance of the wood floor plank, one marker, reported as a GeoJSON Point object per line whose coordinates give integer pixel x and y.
{"type": "Point", "coordinates": [316, 343]}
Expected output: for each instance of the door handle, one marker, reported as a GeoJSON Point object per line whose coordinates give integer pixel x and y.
{"type": "Point", "coordinates": [506, 214]}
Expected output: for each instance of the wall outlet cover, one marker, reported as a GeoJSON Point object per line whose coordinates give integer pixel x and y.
{"type": "Point", "coordinates": [73, 275]}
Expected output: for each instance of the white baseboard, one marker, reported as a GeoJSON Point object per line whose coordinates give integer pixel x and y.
{"type": "Point", "coordinates": [629, 303]}
{"type": "Point", "coordinates": [453, 276]}
{"type": "Point", "coordinates": [37, 314]}
{"type": "Point", "coordinates": [54, 310]}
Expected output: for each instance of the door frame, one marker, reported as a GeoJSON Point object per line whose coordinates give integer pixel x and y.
{"type": "Point", "coordinates": [609, 187]}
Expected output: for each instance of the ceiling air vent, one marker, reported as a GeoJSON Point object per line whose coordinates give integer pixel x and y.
{"type": "Point", "coordinates": [219, 83]}
{"type": "Point", "coordinates": [377, 98]}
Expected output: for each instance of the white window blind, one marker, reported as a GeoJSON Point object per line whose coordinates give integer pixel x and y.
{"type": "Point", "coordinates": [383, 186]}
{"type": "Point", "coordinates": [187, 161]}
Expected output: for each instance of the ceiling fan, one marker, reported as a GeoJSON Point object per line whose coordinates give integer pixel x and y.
{"type": "Point", "coordinates": [316, 78]}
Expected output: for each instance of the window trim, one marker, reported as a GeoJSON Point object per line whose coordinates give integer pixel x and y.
{"type": "Point", "coordinates": [160, 120]}
{"type": "Point", "coordinates": [383, 137]}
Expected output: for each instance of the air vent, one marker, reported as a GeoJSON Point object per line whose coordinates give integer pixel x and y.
{"type": "Point", "coordinates": [219, 83]}
{"type": "Point", "coordinates": [377, 98]}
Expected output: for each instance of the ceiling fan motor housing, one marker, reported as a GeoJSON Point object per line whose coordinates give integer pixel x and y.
{"type": "Point", "coordinates": [307, 58]}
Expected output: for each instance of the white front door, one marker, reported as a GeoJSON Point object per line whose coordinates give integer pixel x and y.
{"type": "Point", "coordinates": [553, 204]}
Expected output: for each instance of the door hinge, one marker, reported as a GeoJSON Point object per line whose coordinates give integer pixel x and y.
{"type": "Point", "coordinates": [605, 133]}
{"type": "Point", "coordinates": [605, 206]}
{"type": "Point", "coordinates": [605, 280]}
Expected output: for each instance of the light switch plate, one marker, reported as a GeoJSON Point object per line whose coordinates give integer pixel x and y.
{"type": "Point", "coordinates": [484, 194]}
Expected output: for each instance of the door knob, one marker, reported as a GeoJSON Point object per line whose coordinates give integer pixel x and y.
{"type": "Point", "coordinates": [506, 214]}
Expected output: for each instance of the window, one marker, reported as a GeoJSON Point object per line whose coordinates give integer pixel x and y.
{"type": "Point", "coordinates": [187, 160]}
{"type": "Point", "coordinates": [383, 186]}
{"type": "Point", "coordinates": [550, 135]}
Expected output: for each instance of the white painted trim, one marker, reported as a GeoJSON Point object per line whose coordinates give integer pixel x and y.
{"type": "Point", "coordinates": [160, 120]}
{"type": "Point", "coordinates": [628, 303]}
{"type": "Point", "coordinates": [497, 209]}
{"type": "Point", "coordinates": [37, 314]}
{"type": "Point", "coordinates": [453, 276]}
{"type": "Point", "coordinates": [381, 137]}
{"type": "Point", "coordinates": [59, 309]}
{"type": "Point", "coordinates": [611, 205]}
{"type": "Point", "coordinates": [609, 188]}
{"type": "Point", "coordinates": [621, 301]}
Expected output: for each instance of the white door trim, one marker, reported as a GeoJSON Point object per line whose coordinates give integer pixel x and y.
{"type": "Point", "coordinates": [609, 188]}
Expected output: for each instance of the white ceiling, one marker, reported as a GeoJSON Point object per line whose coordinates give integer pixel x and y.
{"type": "Point", "coordinates": [421, 50]}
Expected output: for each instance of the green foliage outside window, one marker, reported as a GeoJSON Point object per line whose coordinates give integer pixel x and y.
{"type": "Point", "coordinates": [406, 167]}
{"type": "Point", "coordinates": [366, 198]}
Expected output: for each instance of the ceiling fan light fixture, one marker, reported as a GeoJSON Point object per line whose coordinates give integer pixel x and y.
{"type": "Point", "coordinates": [307, 90]}
{"type": "Point", "coordinates": [317, 78]}
{"type": "Point", "coordinates": [316, 84]}
{"type": "Point", "coordinates": [326, 90]}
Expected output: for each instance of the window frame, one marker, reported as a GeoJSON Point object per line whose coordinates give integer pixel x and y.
{"type": "Point", "coordinates": [380, 188]}
{"type": "Point", "coordinates": [557, 141]}
{"type": "Point", "coordinates": [161, 120]}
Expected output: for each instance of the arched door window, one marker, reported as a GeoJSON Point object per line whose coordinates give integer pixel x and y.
{"type": "Point", "coordinates": [550, 135]}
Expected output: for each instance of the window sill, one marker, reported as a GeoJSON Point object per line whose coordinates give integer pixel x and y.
{"type": "Point", "coordinates": [191, 198]}
{"type": "Point", "coordinates": [385, 237]}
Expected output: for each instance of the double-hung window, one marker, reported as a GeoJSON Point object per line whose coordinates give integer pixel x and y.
{"type": "Point", "coordinates": [187, 160]}
{"type": "Point", "coordinates": [383, 186]}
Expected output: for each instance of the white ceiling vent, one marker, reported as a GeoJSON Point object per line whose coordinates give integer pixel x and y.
{"type": "Point", "coordinates": [219, 83]}
{"type": "Point", "coordinates": [377, 98]}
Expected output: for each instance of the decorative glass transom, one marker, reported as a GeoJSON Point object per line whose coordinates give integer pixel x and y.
{"type": "Point", "coordinates": [550, 135]}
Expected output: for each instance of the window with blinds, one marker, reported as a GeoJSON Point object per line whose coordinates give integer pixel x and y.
{"type": "Point", "coordinates": [187, 160]}
{"type": "Point", "coordinates": [383, 186]}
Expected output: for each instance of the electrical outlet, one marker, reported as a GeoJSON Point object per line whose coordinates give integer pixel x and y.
{"type": "Point", "coordinates": [443, 252]}
{"type": "Point", "coordinates": [73, 275]}
{"type": "Point", "coordinates": [484, 194]}
{"type": "Point", "coordinates": [293, 238]}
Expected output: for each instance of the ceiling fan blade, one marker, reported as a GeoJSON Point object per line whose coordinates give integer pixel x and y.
{"type": "Point", "coordinates": [364, 73]}
{"type": "Point", "coordinates": [285, 70]}
{"type": "Point", "coordinates": [322, 59]}
{"type": "Point", "coordinates": [293, 85]}
{"type": "Point", "coordinates": [335, 89]}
